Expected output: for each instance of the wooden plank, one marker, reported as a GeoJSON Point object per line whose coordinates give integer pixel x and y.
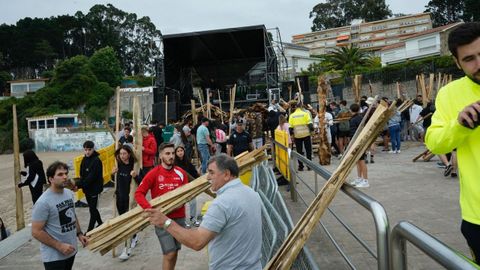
{"type": "Point", "coordinates": [115, 139]}
{"type": "Point", "coordinates": [420, 155]}
{"type": "Point", "coordinates": [430, 87]}
{"type": "Point", "coordinates": [16, 173]}
{"type": "Point", "coordinates": [324, 153]}
{"type": "Point", "coordinates": [399, 95]}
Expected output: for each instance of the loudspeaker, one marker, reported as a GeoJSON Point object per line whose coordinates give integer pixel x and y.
{"type": "Point", "coordinates": [158, 111]}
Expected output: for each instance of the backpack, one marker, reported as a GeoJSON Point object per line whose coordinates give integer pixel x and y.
{"type": "Point", "coordinates": [344, 126]}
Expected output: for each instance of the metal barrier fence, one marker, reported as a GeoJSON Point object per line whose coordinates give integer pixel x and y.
{"type": "Point", "coordinates": [445, 256]}
{"type": "Point", "coordinates": [391, 246]}
{"type": "Point", "coordinates": [276, 220]}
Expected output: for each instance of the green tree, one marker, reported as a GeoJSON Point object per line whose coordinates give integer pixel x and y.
{"type": "Point", "coordinates": [445, 11]}
{"type": "Point", "coordinates": [106, 67]}
{"type": "Point", "coordinates": [348, 59]}
{"type": "Point", "coordinates": [4, 77]}
{"type": "Point", "coordinates": [336, 13]}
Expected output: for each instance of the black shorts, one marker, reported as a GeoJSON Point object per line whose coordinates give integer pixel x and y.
{"type": "Point", "coordinates": [471, 232]}
{"type": "Point", "coordinates": [341, 134]}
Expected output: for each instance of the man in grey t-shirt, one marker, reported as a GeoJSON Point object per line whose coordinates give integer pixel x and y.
{"type": "Point", "coordinates": [232, 226]}
{"type": "Point", "coordinates": [54, 222]}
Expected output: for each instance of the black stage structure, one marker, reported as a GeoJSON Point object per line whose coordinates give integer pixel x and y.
{"type": "Point", "coordinates": [244, 56]}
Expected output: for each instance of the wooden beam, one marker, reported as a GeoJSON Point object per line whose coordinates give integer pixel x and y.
{"type": "Point", "coordinates": [16, 173]}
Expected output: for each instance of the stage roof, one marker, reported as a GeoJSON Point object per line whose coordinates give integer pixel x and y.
{"type": "Point", "coordinates": [224, 55]}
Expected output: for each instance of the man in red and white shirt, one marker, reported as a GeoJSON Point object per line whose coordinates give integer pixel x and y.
{"type": "Point", "coordinates": [160, 180]}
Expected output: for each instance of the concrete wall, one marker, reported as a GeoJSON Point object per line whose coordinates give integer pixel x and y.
{"type": "Point", "coordinates": [407, 88]}
{"type": "Point", "coordinates": [49, 140]}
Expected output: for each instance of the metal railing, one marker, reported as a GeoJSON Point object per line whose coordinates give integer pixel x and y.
{"type": "Point", "coordinates": [375, 208]}
{"type": "Point", "coordinates": [391, 245]}
{"type": "Point", "coordinates": [405, 231]}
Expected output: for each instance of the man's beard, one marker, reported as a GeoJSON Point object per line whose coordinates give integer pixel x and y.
{"type": "Point", "coordinates": [475, 77]}
{"type": "Point", "coordinates": [167, 162]}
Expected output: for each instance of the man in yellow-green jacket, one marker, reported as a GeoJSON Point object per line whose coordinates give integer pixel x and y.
{"type": "Point", "coordinates": [454, 126]}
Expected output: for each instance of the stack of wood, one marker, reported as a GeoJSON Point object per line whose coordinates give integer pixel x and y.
{"type": "Point", "coordinates": [405, 105]}
{"type": "Point", "coordinates": [287, 253]}
{"type": "Point", "coordinates": [115, 231]}
{"type": "Point", "coordinates": [215, 112]}
{"type": "Point", "coordinates": [427, 90]}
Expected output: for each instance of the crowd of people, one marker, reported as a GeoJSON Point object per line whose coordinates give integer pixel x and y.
{"type": "Point", "coordinates": [232, 223]}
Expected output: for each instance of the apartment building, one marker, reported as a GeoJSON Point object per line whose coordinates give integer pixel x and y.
{"type": "Point", "coordinates": [371, 36]}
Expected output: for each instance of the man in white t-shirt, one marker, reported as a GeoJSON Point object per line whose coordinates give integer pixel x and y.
{"type": "Point", "coordinates": [417, 128]}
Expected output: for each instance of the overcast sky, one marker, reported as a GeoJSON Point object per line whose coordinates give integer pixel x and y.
{"type": "Point", "coordinates": [178, 16]}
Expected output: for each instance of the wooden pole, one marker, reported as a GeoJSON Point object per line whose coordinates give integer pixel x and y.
{"type": "Point", "coordinates": [117, 131]}
{"type": "Point", "coordinates": [220, 105]}
{"type": "Point", "coordinates": [324, 153]}
{"type": "Point", "coordinates": [166, 110]}
{"type": "Point", "coordinates": [232, 105]}
{"type": "Point", "coordinates": [398, 91]}
{"type": "Point", "coordinates": [138, 146]}
{"type": "Point", "coordinates": [300, 99]}
{"type": "Point", "coordinates": [430, 86]}
{"type": "Point", "coordinates": [209, 106]}
{"type": "Point", "coordinates": [370, 87]}
{"type": "Point", "coordinates": [16, 173]}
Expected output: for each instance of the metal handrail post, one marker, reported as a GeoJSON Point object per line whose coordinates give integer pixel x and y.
{"type": "Point", "coordinates": [445, 256]}
{"type": "Point", "coordinates": [293, 176]}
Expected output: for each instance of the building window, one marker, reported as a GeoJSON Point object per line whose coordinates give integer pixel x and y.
{"type": "Point", "coordinates": [41, 124]}
{"type": "Point", "coordinates": [50, 123]}
{"type": "Point", "coordinates": [35, 86]}
{"type": "Point", "coordinates": [295, 63]}
{"type": "Point", "coordinates": [33, 125]}
{"type": "Point", "coordinates": [19, 89]}
{"type": "Point", "coordinates": [427, 44]}
{"type": "Point", "coordinates": [354, 36]}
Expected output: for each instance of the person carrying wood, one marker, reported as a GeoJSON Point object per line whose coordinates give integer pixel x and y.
{"type": "Point", "coordinates": [455, 125]}
{"type": "Point", "coordinates": [160, 180]}
{"type": "Point", "coordinates": [301, 128]}
{"type": "Point", "coordinates": [232, 226]}
{"type": "Point", "coordinates": [54, 222]}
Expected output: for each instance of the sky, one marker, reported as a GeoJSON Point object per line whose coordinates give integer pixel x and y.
{"type": "Point", "coordinates": [179, 16]}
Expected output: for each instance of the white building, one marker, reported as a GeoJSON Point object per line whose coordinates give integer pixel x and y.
{"type": "Point", "coordinates": [298, 59]}
{"type": "Point", "coordinates": [21, 88]}
{"type": "Point", "coordinates": [431, 42]}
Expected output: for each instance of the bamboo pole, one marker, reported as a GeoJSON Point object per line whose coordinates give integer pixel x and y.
{"type": "Point", "coordinates": [430, 86]}
{"type": "Point", "coordinates": [398, 90]}
{"type": "Point", "coordinates": [16, 173]}
{"type": "Point", "coordinates": [233, 90]}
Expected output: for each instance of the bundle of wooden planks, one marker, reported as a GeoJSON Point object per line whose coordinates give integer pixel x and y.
{"type": "Point", "coordinates": [286, 254]}
{"type": "Point", "coordinates": [115, 231]}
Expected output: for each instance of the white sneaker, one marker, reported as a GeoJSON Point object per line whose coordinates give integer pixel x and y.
{"type": "Point", "coordinates": [134, 241]}
{"type": "Point", "coordinates": [355, 181]}
{"type": "Point", "coordinates": [391, 152]}
{"type": "Point", "coordinates": [125, 254]}
{"type": "Point", "coordinates": [363, 184]}
{"type": "Point", "coordinates": [398, 151]}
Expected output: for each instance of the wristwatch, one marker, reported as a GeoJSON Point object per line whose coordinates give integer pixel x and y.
{"type": "Point", "coordinates": [167, 224]}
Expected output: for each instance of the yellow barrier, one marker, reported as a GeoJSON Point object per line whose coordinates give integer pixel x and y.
{"type": "Point", "coordinates": [281, 156]}
{"type": "Point", "coordinates": [107, 156]}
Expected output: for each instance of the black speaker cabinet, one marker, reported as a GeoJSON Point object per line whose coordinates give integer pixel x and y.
{"type": "Point", "coordinates": [158, 111]}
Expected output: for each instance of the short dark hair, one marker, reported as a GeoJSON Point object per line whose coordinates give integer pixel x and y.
{"type": "Point", "coordinates": [343, 102]}
{"type": "Point", "coordinates": [52, 169]}
{"type": "Point", "coordinates": [463, 34]}
{"type": "Point", "coordinates": [88, 144]}
{"type": "Point", "coordinates": [225, 162]}
{"type": "Point", "coordinates": [127, 128]}
{"type": "Point", "coordinates": [129, 139]}
{"type": "Point", "coordinates": [354, 107]}
{"type": "Point", "coordinates": [165, 145]}
{"type": "Point", "coordinates": [204, 120]}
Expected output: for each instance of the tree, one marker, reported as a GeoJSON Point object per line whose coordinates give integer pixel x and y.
{"type": "Point", "coordinates": [348, 59]}
{"type": "Point", "coordinates": [4, 77]}
{"type": "Point", "coordinates": [445, 11]}
{"type": "Point", "coordinates": [337, 13]}
{"type": "Point", "coordinates": [106, 67]}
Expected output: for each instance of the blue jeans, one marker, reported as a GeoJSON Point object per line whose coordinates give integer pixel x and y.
{"type": "Point", "coordinates": [395, 137]}
{"type": "Point", "coordinates": [205, 155]}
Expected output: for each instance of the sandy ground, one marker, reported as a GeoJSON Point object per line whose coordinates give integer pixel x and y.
{"type": "Point", "coordinates": [7, 187]}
